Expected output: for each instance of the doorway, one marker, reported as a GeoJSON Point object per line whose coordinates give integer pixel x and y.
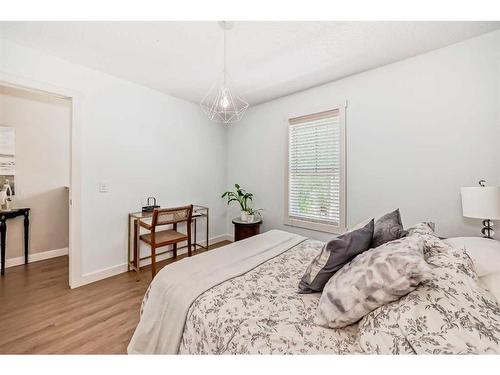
{"type": "Point", "coordinates": [74, 255]}
{"type": "Point", "coordinates": [35, 128]}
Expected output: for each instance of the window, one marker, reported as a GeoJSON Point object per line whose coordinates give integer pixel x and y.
{"type": "Point", "coordinates": [315, 190]}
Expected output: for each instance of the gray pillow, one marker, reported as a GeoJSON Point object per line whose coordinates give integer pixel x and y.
{"type": "Point", "coordinates": [373, 279]}
{"type": "Point", "coordinates": [333, 256]}
{"type": "Point", "coordinates": [388, 228]}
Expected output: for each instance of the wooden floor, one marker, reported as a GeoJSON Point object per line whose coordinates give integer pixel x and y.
{"type": "Point", "coordinates": [40, 314]}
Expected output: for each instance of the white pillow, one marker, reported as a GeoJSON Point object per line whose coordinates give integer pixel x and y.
{"type": "Point", "coordinates": [491, 282]}
{"type": "Point", "coordinates": [485, 253]}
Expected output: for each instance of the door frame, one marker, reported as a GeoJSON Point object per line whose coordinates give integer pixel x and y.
{"type": "Point", "coordinates": [75, 188]}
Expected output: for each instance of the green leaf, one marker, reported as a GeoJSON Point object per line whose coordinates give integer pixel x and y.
{"type": "Point", "coordinates": [241, 196]}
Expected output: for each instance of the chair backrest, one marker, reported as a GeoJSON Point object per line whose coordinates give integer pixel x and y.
{"type": "Point", "coordinates": [165, 216]}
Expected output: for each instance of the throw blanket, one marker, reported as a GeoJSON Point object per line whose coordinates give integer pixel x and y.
{"type": "Point", "coordinates": [178, 285]}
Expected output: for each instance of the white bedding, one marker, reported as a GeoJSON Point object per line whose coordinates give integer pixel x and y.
{"type": "Point", "coordinates": [485, 253]}
{"type": "Point", "coordinates": [176, 286]}
{"type": "Point", "coordinates": [260, 312]}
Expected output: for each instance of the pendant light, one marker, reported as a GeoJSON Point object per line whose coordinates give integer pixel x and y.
{"type": "Point", "coordinates": [220, 103]}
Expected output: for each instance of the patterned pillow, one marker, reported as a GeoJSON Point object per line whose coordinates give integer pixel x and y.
{"type": "Point", "coordinates": [333, 256]}
{"type": "Point", "coordinates": [388, 228]}
{"type": "Point", "coordinates": [448, 314]}
{"type": "Point", "coordinates": [425, 227]}
{"type": "Point", "coordinates": [372, 279]}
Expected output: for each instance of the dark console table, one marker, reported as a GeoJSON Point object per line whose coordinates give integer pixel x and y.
{"type": "Point", "coordinates": [6, 215]}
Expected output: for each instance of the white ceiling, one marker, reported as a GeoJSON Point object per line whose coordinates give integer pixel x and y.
{"type": "Point", "coordinates": [266, 60]}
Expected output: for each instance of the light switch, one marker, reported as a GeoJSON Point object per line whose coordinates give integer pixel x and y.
{"type": "Point", "coordinates": [103, 187]}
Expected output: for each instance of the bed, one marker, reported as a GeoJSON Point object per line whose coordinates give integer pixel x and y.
{"type": "Point", "coordinates": [242, 299]}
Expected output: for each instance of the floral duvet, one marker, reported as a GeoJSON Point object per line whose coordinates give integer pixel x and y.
{"type": "Point", "coordinates": [261, 312]}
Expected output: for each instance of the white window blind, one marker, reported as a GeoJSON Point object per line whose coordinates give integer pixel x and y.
{"type": "Point", "coordinates": [315, 169]}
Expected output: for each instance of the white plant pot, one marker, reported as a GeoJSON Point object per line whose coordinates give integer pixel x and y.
{"type": "Point", "coordinates": [244, 216]}
{"type": "Point", "coordinates": [250, 218]}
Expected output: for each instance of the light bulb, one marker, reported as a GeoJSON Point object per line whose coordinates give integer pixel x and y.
{"type": "Point", "coordinates": [224, 102]}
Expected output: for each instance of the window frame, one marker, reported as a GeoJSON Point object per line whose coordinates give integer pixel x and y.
{"type": "Point", "coordinates": [311, 224]}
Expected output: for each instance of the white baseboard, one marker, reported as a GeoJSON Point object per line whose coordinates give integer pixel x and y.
{"type": "Point", "coordinates": [36, 257]}
{"type": "Point", "coordinates": [227, 237]}
{"type": "Point", "coordinates": [92, 277]}
{"type": "Point", "coordinates": [168, 255]}
{"type": "Point", "coordinates": [222, 237]}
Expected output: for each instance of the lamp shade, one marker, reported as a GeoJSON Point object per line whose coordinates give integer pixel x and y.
{"type": "Point", "coordinates": [481, 202]}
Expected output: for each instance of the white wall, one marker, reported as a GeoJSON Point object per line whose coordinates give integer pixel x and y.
{"type": "Point", "coordinates": [138, 141]}
{"type": "Point", "coordinates": [417, 131]}
{"type": "Point", "coordinates": [42, 124]}
{"type": "Point", "coordinates": [498, 116]}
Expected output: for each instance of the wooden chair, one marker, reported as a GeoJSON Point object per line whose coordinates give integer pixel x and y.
{"type": "Point", "coordinates": [156, 239]}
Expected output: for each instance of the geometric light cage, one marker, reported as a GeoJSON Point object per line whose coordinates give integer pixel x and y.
{"type": "Point", "coordinates": [221, 105]}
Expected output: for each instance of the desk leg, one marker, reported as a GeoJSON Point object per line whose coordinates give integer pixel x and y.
{"type": "Point", "coordinates": [3, 232]}
{"type": "Point", "coordinates": [207, 228]}
{"type": "Point", "coordinates": [128, 244]}
{"type": "Point", "coordinates": [137, 247]}
{"type": "Point", "coordinates": [195, 243]}
{"type": "Point", "coordinates": [174, 246]}
{"type": "Point", "coordinates": [26, 236]}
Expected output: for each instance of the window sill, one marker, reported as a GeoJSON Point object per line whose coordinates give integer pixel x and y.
{"type": "Point", "coordinates": [318, 227]}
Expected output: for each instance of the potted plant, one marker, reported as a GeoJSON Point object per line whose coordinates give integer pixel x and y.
{"type": "Point", "coordinates": [251, 212]}
{"type": "Point", "coordinates": [242, 197]}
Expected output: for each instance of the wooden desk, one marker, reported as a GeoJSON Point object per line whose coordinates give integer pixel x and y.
{"type": "Point", "coordinates": [4, 216]}
{"type": "Point", "coordinates": [133, 253]}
